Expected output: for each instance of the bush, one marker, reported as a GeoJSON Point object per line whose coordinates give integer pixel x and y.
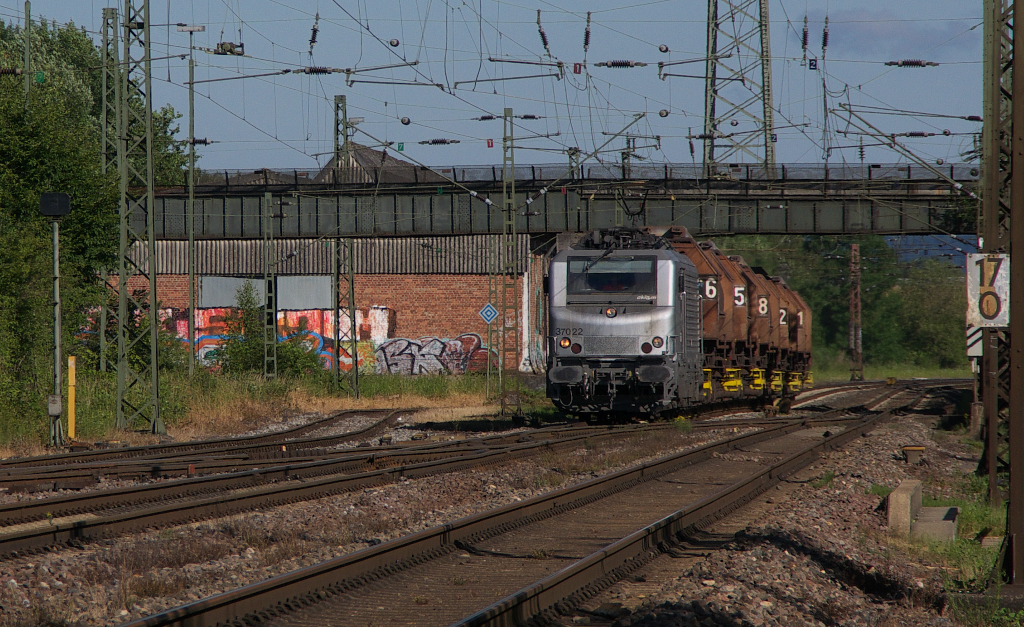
{"type": "Point", "coordinates": [243, 350]}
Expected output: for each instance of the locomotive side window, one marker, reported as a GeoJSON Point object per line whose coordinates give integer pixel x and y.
{"type": "Point", "coordinates": [762, 306]}
{"type": "Point", "coordinates": [624, 275]}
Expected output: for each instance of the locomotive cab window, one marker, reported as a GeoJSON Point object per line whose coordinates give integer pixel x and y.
{"type": "Point", "coordinates": [612, 275]}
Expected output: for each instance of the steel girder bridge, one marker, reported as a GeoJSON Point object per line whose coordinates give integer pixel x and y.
{"type": "Point", "coordinates": [877, 199]}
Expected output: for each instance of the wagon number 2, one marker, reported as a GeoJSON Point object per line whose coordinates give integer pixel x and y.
{"type": "Point", "coordinates": [782, 316]}
{"type": "Point", "coordinates": [989, 304]}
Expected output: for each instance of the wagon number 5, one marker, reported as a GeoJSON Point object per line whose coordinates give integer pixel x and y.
{"type": "Point", "coordinates": [739, 296]}
{"type": "Point", "coordinates": [989, 304]}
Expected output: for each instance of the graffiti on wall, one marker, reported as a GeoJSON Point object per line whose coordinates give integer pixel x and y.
{"type": "Point", "coordinates": [432, 355]}
{"type": "Point", "coordinates": [373, 326]}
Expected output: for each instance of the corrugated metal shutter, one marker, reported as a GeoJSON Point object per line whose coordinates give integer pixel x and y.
{"type": "Point", "coordinates": [222, 291]}
{"type": "Point", "coordinates": [457, 254]}
{"type": "Point", "coordinates": [304, 292]}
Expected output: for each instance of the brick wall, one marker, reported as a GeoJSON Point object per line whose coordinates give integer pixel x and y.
{"type": "Point", "coordinates": [428, 304]}
{"type": "Point", "coordinates": [171, 289]}
{"type": "Point", "coordinates": [425, 305]}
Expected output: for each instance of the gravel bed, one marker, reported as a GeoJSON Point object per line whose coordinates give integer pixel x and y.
{"type": "Point", "coordinates": [811, 554]}
{"type": "Point", "coordinates": [126, 578]}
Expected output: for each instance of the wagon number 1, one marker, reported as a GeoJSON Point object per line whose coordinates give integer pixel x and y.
{"type": "Point", "coordinates": [989, 304]}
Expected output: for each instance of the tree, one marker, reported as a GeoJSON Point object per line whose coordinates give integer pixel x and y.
{"type": "Point", "coordinates": [911, 313]}
{"type": "Point", "coordinates": [243, 348]}
{"type": "Point", "coordinates": [52, 144]}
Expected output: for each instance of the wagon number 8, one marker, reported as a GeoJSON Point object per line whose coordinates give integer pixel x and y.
{"type": "Point", "coordinates": [762, 306]}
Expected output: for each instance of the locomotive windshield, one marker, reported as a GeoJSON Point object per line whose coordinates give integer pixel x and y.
{"type": "Point", "coordinates": [616, 275]}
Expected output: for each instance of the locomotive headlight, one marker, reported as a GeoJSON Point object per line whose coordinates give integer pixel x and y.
{"type": "Point", "coordinates": [658, 342]}
{"type": "Point", "coordinates": [610, 312]}
{"type": "Point", "coordinates": [564, 342]}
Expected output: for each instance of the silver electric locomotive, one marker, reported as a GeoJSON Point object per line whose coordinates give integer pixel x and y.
{"type": "Point", "coordinates": [624, 326]}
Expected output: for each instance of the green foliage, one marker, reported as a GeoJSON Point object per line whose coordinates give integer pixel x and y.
{"type": "Point", "coordinates": [682, 425]}
{"type": "Point", "coordinates": [1006, 617]}
{"type": "Point", "coordinates": [243, 349]}
{"type": "Point", "coordinates": [824, 480]}
{"type": "Point", "coordinates": [912, 312]}
{"type": "Point", "coordinates": [51, 142]}
{"type": "Point", "coordinates": [426, 385]}
{"type": "Point", "coordinates": [880, 490]}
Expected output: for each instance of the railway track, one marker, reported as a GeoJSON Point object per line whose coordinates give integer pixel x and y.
{"type": "Point", "coordinates": [36, 524]}
{"type": "Point", "coordinates": [32, 525]}
{"type": "Point", "coordinates": [408, 576]}
{"type": "Point", "coordinates": [193, 459]}
{"type": "Point", "coordinates": [254, 443]}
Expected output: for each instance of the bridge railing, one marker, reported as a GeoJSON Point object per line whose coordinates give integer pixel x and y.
{"type": "Point", "coordinates": [545, 173]}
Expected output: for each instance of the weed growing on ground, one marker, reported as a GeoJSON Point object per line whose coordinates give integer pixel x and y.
{"type": "Point", "coordinates": [983, 613]}
{"type": "Point", "coordinates": [823, 481]}
{"type": "Point", "coordinates": [879, 490]}
{"type": "Point", "coordinates": [683, 425]}
{"type": "Point", "coordinates": [976, 514]}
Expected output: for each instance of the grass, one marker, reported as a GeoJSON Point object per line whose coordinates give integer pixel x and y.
{"type": "Point", "coordinates": [976, 515]}
{"type": "Point", "coordinates": [824, 480]}
{"type": "Point", "coordinates": [209, 404]}
{"type": "Point", "coordinates": [879, 490]}
{"type": "Point", "coordinates": [967, 565]}
{"type": "Point", "coordinates": [834, 372]}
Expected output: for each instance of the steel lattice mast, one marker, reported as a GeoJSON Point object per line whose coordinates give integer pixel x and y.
{"type": "Point", "coordinates": [110, 123]}
{"type": "Point", "coordinates": [994, 227]}
{"type": "Point", "coordinates": [738, 87]}
{"type": "Point", "coordinates": [138, 377]}
{"type": "Point", "coordinates": [509, 321]}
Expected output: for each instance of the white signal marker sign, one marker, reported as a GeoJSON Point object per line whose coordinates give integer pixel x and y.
{"type": "Point", "coordinates": [988, 290]}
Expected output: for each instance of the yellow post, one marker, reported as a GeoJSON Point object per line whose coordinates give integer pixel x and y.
{"type": "Point", "coordinates": [71, 397]}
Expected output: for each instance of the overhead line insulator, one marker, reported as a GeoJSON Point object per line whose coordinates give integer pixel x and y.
{"type": "Point", "coordinates": [543, 35]}
{"type": "Point", "coordinates": [586, 35]}
{"type": "Point", "coordinates": [912, 63]}
{"type": "Point", "coordinates": [621, 63]}
{"type": "Point", "coordinates": [312, 36]}
{"type": "Point", "coordinates": [439, 142]}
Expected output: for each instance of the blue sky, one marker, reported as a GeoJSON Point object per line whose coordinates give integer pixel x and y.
{"type": "Point", "coordinates": [284, 121]}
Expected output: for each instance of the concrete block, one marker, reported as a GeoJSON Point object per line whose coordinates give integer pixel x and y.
{"type": "Point", "coordinates": [903, 504]}
{"type": "Point", "coordinates": [935, 523]}
{"type": "Point", "coordinates": [977, 417]}
{"type": "Point", "coordinates": [913, 453]}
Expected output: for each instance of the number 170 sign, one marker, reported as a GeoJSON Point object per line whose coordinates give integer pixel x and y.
{"type": "Point", "coordinates": [988, 290]}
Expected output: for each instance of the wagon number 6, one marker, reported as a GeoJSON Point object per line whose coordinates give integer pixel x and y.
{"type": "Point", "coordinates": [989, 304]}
{"type": "Point", "coordinates": [710, 288]}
